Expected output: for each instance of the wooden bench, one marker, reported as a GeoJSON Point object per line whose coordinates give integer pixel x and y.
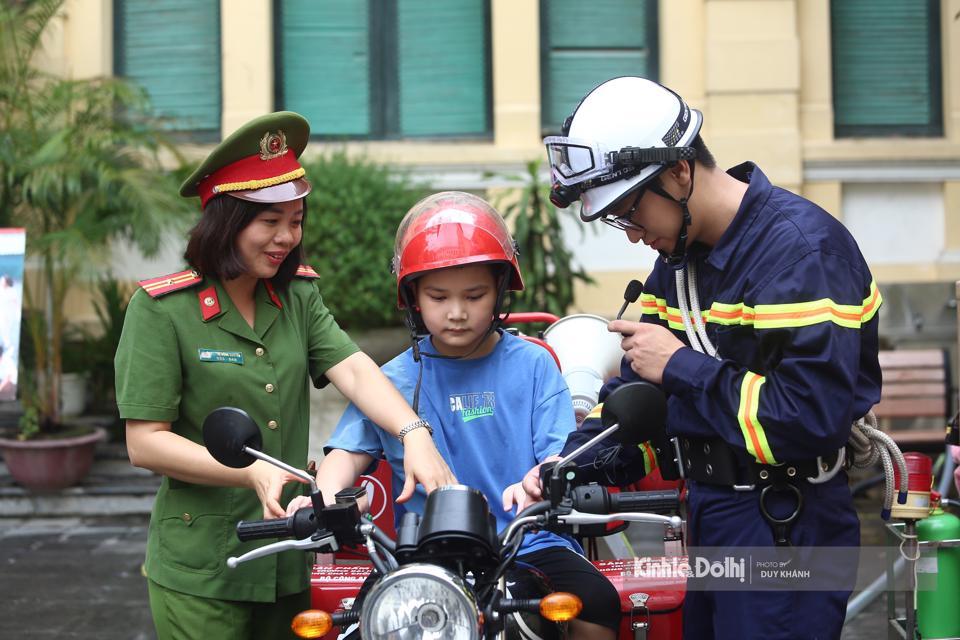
{"type": "Point", "coordinates": [916, 384]}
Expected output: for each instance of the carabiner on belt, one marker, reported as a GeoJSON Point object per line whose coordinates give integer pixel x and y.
{"type": "Point", "coordinates": [781, 526]}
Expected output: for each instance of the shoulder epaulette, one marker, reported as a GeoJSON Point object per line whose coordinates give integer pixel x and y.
{"type": "Point", "coordinates": [304, 271]}
{"type": "Point", "coordinates": [156, 287]}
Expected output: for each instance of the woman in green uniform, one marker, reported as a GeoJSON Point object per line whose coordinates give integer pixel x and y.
{"type": "Point", "coordinates": [244, 327]}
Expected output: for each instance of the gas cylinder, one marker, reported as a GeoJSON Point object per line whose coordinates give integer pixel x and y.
{"type": "Point", "coordinates": [938, 576]}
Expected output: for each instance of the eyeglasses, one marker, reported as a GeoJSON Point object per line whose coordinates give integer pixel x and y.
{"type": "Point", "coordinates": [625, 222]}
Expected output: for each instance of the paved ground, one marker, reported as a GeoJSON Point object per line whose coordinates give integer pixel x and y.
{"type": "Point", "coordinates": [73, 579]}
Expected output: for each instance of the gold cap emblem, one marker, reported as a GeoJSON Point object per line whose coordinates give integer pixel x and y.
{"type": "Point", "coordinates": [273, 145]}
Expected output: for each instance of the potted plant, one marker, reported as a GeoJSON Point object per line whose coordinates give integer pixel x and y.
{"type": "Point", "coordinates": [549, 273]}
{"type": "Point", "coordinates": [80, 168]}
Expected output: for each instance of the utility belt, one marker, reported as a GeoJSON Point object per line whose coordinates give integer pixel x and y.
{"type": "Point", "coordinates": [713, 461]}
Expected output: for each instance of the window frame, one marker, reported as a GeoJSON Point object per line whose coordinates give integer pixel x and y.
{"type": "Point", "coordinates": [652, 37]}
{"type": "Point", "coordinates": [935, 127]}
{"type": "Point", "coordinates": [384, 77]}
{"type": "Point", "coordinates": [119, 71]}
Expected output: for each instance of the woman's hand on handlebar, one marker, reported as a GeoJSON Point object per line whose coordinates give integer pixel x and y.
{"type": "Point", "coordinates": [422, 464]}
{"type": "Point", "coordinates": [267, 480]}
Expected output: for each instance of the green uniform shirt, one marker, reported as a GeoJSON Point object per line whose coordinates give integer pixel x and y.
{"type": "Point", "coordinates": [174, 366]}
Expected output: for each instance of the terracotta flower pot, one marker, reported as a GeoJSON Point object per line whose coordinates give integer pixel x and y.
{"type": "Point", "coordinates": [50, 465]}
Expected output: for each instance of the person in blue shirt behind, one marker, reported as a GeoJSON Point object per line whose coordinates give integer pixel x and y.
{"type": "Point", "coordinates": [497, 403]}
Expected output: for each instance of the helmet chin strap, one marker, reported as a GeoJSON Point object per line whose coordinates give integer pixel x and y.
{"type": "Point", "coordinates": [678, 257]}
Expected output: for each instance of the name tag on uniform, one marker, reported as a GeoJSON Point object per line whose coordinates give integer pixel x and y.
{"type": "Point", "coordinates": [212, 355]}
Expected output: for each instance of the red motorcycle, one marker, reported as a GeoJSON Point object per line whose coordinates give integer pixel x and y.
{"type": "Point", "coordinates": [651, 589]}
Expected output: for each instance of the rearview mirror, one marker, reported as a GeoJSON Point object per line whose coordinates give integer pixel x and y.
{"type": "Point", "coordinates": [640, 409]}
{"type": "Point", "coordinates": [227, 431]}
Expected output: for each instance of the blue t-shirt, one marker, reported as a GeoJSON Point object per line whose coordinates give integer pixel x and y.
{"type": "Point", "coordinates": [493, 419]}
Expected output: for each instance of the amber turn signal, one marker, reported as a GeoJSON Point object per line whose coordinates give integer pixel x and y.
{"type": "Point", "coordinates": [560, 606]}
{"type": "Point", "coordinates": [312, 623]}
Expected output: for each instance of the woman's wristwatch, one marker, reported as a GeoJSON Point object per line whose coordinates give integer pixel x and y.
{"type": "Point", "coordinates": [414, 425]}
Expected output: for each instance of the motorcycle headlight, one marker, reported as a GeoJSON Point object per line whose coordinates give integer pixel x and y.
{"type": "Point", "coordinates": [420, 602]}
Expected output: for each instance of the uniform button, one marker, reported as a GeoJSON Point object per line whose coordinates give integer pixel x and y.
{"type": "Point", "coordinates": [187, 517]}
{"type": "Point", "coordinates": [209, 301]}
{"type": "Point", "coordinates": [269, 388]}
{"type": "Point", "coordinates": [272, 424]}
{"type": "Point", "coordinates": [259, 351]}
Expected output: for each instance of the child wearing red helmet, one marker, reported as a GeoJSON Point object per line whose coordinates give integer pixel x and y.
{"type": "Point", "coordinates": [497, 404]}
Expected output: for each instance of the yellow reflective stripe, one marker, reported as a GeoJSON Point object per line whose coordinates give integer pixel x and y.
{"type": "Point", "coordinates": [872, 303]}
{"type": "Point", "coordinates": [649, 302]}
{"type": "Point", "coordinates": [729, 314]}
{"type": "Point", "coordinates": [797, 314]}
{"type": "Point", "coordinates": [649, 459]}
{"type": "Point", "coordinates": [753, 434]}
{"type": "Point", "coordinates": [658, 306]}
{"type": "Point", "coordinates": [773, 316]}
{"type": "Point", "coordinates": [595, 412]}
{"type": "Point", "coordinates": [803, 314]}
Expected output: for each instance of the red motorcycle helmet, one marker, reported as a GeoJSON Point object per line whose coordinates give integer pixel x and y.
{"type": "Point", "coordinates": [451, 229]}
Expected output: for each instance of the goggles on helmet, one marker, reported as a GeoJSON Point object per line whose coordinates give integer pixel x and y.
{"type": "Point", "coordinates": [589, 164]}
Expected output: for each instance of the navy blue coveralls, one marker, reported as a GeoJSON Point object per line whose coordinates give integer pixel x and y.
{"type": "Point", "coordinates": [791, 307]}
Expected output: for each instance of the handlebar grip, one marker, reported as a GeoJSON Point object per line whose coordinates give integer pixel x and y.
{"type": "Point", "coordinates": [260, 529]}
{"type": "Point", "coordinates": [667, 500]}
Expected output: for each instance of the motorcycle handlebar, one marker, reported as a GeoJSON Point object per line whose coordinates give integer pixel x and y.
{"type": "Point", "coordinates": [261, 529]}
{"type": "Point", "coordinates": [663, 501]}
{"type": "Point", "coordinates": [301, 524]}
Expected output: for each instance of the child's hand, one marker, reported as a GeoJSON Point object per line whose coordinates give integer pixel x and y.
{"type": "Point", "coordinates": [531, 481]}
{"type": "Point", "coordinates": [422, 464]}
{"type": "Point", "coordinates": [515, 494]}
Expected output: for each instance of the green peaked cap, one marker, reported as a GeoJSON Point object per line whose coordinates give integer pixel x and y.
{"type": "Point", "coordinates": [245, 142]}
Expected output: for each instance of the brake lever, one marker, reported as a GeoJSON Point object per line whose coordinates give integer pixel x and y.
{"type": "Point", "coordinates": [578, 517]}
{"type": "Point", "coordinates": [306, 544]}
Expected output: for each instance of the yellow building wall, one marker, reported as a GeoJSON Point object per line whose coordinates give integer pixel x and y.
{"type": "Point", "coordinates": [760, 70]}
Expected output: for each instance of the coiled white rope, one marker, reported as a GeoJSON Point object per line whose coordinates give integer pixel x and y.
{"type": "Point", "coordinates": [869, 445]}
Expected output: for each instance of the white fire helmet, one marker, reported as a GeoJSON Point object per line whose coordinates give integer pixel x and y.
{"type": "Point", "coordinates": [622, 135]}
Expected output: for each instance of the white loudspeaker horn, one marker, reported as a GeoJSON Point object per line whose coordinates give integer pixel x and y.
{"type": "Point", "coordinates": [589, 355]}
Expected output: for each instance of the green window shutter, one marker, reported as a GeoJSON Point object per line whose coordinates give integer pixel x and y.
{"type": "Point", "coordinates": [442, 67]}
{"type": "Point", "coordinates": [582, 47]}
{"type": "Point", "coordinates": [172, 49]}
{"type": "Point", "coordinates": [323, 65]}
{"type": "Point", "coordinates": [886, 67]}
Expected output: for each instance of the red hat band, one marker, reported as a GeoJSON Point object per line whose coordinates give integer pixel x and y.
{"type": "Point", "coordinates": [251, 172]}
